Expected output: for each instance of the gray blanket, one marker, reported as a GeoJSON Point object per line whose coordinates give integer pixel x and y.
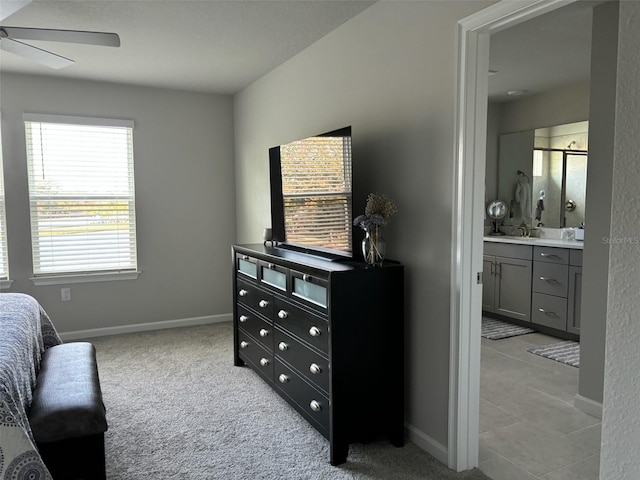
{"type": "Point", "coordinates": [25, 333]}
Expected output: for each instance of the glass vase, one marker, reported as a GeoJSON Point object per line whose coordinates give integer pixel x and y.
{"type": "Point", "coordinates": [373, 246]}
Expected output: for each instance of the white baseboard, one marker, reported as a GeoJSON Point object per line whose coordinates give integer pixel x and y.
{"type": "Point", "coordinates": [143, 327]}
{"type": "Point", "coordinates": [588, 406]}
{"type": "Point", "coordinates": [428, 444]}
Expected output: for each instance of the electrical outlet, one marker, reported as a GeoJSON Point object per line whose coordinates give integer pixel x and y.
{"type": "Point", "coordinates": [65, 293]}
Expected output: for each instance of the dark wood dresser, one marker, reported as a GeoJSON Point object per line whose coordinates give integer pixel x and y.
{"type": "Point", "coordinates": [328, 337]}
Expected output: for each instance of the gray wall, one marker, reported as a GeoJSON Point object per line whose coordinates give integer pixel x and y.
{"type": "Point", "coordinates": [183, 153]}
{"type": "Point", "coordinates": [390, 73]}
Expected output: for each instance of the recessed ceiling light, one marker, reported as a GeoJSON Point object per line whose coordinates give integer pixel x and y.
{"type": "Point", "coordinates": [516, 93]}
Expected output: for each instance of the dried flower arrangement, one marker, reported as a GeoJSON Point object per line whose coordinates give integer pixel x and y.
{"type": "Point", "coordinates": [377, 211]}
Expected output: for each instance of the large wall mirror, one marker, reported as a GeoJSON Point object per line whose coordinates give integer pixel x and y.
{"type": "Point", "coordinates": [542, 175]}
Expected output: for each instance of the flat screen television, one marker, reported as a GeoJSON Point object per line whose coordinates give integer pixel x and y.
{"type": "Point", "coordinates": [311, 194]}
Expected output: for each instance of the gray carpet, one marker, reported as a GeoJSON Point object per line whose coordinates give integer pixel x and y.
{"type": "Point", "coordinates": [495, 329]}
{"type": "Point", "coordinates": [567, 352]}
{"type": "Point", "coordinates": [178, 409]}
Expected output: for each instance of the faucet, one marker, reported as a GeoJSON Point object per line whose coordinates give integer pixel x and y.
{"type": "Point", "coordinates": [525, 229]}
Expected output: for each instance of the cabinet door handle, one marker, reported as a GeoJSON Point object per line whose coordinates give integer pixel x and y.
{"type": "Point", "coordinates": [282, 346]}
{"type": "Point", "coordinates": [264, 332]}
{"type": "Point", "coordinates": [493, 268]}
{"type": "Point", "coordinates": [263, 304]}
{"type": "Point", "coordinates": [315, 369]}
{"type": "Point", "coordinates": [283, 378]}
{"type": "Point", "coordinates": [283, 314]}
{"type": "Point", "coordinates": [243, 293]}
{"type": "Point", "coordinates": [264, 362]}
{"type": "Point", "coordinates": [315, 332]}
{"type": "Point", "coordinates": [244, 344]}
{"type": "Point", "coordinates": [243, 318]}
{"type": "Point", "coordinates": [315, 406]}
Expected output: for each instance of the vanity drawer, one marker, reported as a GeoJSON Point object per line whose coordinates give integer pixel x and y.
{"type": "Point", "coordinates": [510, 250]}
{"type": "Point", "coordinates": [312, 329]}
{"type": "Point", "coordinates": [313, 366]}
{"type": "Point", "coordinates": [549, 310]}
{"type": "Point", "coordinates": [255, 298]}
{"type": "Point", "coordinates": [256, 326]}
{"type": "Point", "coordinates": [550, 278]}
{"type": "Point", "coordinates": [551, 255]}
{"type": "Point", "coordinates": [251, 352]}
{"type": "Point", "coordinates": [308, 401]}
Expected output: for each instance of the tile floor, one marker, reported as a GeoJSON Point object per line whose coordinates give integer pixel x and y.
{"type": "Point", "coordinates": [529, 428]}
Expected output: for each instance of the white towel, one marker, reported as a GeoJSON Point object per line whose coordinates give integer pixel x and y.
{"type": "Point", "coordinates": [523, 197]}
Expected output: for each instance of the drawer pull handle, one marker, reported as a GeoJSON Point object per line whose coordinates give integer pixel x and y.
{"type": "Point", "coordinates": [264, 362]}
{"type": "Point", "coordinates": [243, 293]}
{"type": "Point", "coordinates": [283, 314]}
{"type": "Point", "coordinates": [282, 346]}
{"type": "Point", "coordinates": [315, 405]}
{"type": "Point", "coordinates": [548, 255]}
{"type": "Point", "coordinates": [315, 369]}
{"type": "Point", "coordinates": [283, 378]}
{"type": "Point", "coordinates": [546, 279]}
{"type": "Point", "coordinates": [271, 266]}
{"type": "Point", "coordinates": [244, 344]}
{"type": "Point", "coordinates": [263, 304]}
{"type": "Point", "coordinates": [315, 332]}
{"type": "Point", "coordinates": [547, 312]}
{"type": "Point", "coordinates": [306, 277]}
{"type": "Point", "coordinates": [244, 257]}
{"type": "Point", "coordinates": [264, 332]}
{"type": "Point", "coordinates": [243, 318]}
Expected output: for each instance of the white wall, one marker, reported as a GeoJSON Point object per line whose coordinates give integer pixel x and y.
{"type": "Point", "coordinates": [390, 73]}
{"type": "Point", "coordinates": [183, 153]}
{"type": "Point", "coordinates": [621, 420]}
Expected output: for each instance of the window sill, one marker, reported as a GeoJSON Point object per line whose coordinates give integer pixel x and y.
{"type": "Point", "coordinates": [84, 278]}
{"type": "Point", "coordinates": [5, 284]}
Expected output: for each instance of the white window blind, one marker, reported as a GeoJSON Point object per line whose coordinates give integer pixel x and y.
{"type": "Point", "coordinates": [316, 176]}
{"type": "Point", "coordinates": [4, 255]}
{"type": "Point", "coordinates": [81, 194]}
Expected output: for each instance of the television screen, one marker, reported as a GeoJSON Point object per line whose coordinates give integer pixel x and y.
{"type": "Point", "coordinates": [311, 195]}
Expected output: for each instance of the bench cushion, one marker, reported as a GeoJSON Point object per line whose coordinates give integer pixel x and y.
{"type": "Point", "coordinates": [67, 400]}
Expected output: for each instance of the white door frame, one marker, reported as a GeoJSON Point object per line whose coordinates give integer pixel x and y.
{"type": "Point", "coordinates": [468, 216]}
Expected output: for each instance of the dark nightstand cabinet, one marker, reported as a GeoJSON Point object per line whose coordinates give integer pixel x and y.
{"type": "Point", "coordinates": [328, 337]}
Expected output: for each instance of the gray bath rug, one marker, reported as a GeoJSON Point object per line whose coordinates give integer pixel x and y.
{"type": "Point", "coordinates": [567, 352]}
{"type": "Point", "coordinates": [496, 329]}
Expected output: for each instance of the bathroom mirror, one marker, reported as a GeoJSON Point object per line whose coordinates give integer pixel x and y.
{"type": "Point", "coordinates": [542, 175]}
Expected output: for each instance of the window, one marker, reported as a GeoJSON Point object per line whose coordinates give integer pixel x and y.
{"type": "Point", "coordinates": [4, 256]}
{"type": "Point", "coordinates": [81, 194]}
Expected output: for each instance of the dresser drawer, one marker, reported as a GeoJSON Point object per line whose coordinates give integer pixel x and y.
{"type": "Point", "coordinates": [549, 310]}
{"type": "Point", "coordinates": [313, 366]}
{"type": "Point", "coordinates": [256, 326]}
{"type": "Point", "coordinates": [273, 276]}
{"type": "Point", "coordinates": [550, 278]}
{"type": "Point", "coordinates": [246, 265]}
{"type": "Point", "coordinates": [308, 401]}
{"type": "Point", "coordinates": [551, 255]}
{"type": "Point", "coordinates": [305, 325]}
{"type": "Point", "coordinates": [253, 353]}
{"type": "Point", "coordinates": [255, 298]}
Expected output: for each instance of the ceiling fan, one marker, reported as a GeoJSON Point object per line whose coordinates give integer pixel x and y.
{"type": "Point", "coordinates": [10, 38]}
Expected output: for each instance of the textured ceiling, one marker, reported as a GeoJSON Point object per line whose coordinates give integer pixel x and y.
{"type": "Point", "coordinates": [201, 45]}
{"type": "Point", "coordinates": [222, 46]}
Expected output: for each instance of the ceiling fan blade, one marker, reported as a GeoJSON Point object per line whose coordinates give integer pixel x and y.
{"type": "Point", "coordinates": [9, 7]}
{"type": "Point", "coordinates": [33, 53]}
{"type": "Point", "coordinates": [66, 36]}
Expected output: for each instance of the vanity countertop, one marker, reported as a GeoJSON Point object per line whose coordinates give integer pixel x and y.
{"type": "Point", "coordinates": [542, 242]}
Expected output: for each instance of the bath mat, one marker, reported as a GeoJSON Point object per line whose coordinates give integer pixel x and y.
{"type": "Point", "coordinates": [567, 352]}
{"type": "Point", "coordinates": [495, 329]}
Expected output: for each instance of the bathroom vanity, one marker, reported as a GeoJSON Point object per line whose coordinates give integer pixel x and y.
{"type": "Point", "coordinates": [534, 280]}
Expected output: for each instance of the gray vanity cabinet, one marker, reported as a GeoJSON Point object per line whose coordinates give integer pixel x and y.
{"type": "Point", "coordinates": [507, 280]}
{"type": "Point", "coordinates": [575, 291]}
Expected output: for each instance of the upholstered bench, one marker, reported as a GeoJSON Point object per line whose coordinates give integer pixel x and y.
{"type": "Point", "coordinates": [67, 415]}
